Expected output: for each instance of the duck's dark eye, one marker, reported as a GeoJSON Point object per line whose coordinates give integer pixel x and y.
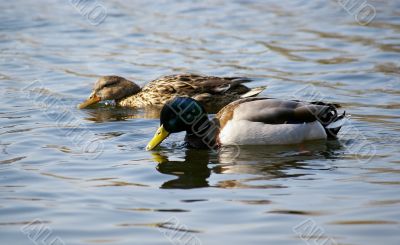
{"type": "Point", "coordinates": [174, 125]}
{"type": "Point", "coordinates": [192, 113]}
{"type": "Point", "coordinates": [109, 84]}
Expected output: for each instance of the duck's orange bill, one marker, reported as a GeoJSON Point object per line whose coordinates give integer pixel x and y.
{"type": "Point", "coordinates": [93, 99]}
{"type": "Point", "coordinates": [158, 137]}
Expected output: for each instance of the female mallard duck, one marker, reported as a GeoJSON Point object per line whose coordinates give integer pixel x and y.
{"type": "Point", "coordinates": [211, 92]}
{"type": "Point", "coordinates": [249, 121]}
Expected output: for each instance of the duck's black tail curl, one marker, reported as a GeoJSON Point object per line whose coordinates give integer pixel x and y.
{"type": "Point", "coordinates": [334, 127]}
{"type": "Point", "coordinates": [329, 118]}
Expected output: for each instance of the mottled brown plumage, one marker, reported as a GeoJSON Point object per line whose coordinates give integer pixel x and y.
{"type": "Point", "coordinates": [212, 92]}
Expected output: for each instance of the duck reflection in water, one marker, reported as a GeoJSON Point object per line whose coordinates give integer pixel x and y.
{"type": "Point", "coordinates": [106, 113]}
{"type": "Point", "coordinates": [262, 163]}
{"type": "Point", "coordinates": [193, 172]}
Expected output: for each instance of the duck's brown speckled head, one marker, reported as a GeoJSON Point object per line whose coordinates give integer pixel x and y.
{"type": "Point", "coordinates": [110, 88]}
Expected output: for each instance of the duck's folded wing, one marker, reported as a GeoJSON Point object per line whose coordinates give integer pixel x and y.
{"type": "Point", "coordinates": [211, 84]}
{"type": "Point", "coordinates": [224, 84]}
{"type": "Point", "coordinates": [275, 111]}
{"type": "Point", "coordinates": [300, 114]}
{"type": "Point", "coordinates": [188, 84]}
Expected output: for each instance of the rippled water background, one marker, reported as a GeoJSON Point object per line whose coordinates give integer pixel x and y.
{"type": "Point", "coordinates": [85, 177]}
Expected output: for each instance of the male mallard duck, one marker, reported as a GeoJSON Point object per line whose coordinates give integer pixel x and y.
{"type": "Point", "coordinates": [249, 121]}
{"type": "Point", "coordinates": [211, 92]}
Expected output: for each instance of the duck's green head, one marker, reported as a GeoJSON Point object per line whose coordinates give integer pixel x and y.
{"type": "Point", "coordinates": [180, 114]}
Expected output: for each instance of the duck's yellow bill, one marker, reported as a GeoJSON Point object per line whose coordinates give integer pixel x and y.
{"type": "Point", "coordinates": [93, 99]}
{"type": "Point", "coordinates": [160, 135]}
